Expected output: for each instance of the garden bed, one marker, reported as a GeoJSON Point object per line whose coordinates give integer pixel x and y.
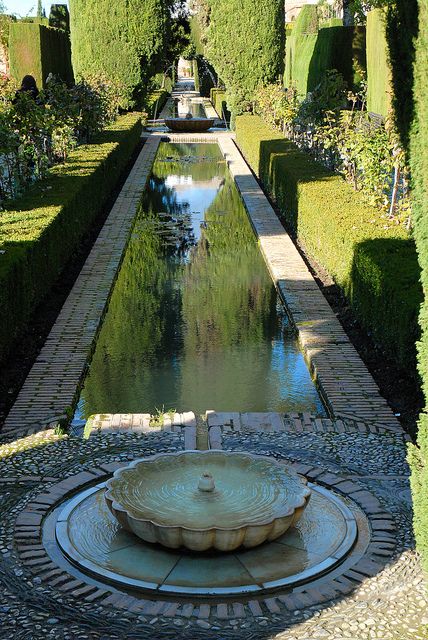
{"type": "Point", "coordinates": [40, 231]}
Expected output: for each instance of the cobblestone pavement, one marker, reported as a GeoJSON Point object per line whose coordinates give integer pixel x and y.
{"type": "Point", "coordinates": [390, 604]}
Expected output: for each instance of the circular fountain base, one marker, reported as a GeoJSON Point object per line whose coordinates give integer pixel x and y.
{"type": "Point", "coordinates": [93, 541]}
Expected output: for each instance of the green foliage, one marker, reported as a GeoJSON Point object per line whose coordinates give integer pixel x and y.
{"type": "Point", "coordinates": [155, 102]}
{"type": "Point", "coordinates": [374, 262]}
{"type": "Point", "coordinates": [126, 41]}
{"type": "Point", "coordinates": [59, 17]}
{"type": "Point", "coordinates": [38, 50]}
{"type": "Point", "coordinates": [245, 44]}
{"type": "Point", "coordinates": [218, 98]}
{"type": "Point", "coordinates": [205, 75]}
{"type": "Point", "coordinates": [35, 134]}
{"type": "Point", "coordinates": [365, 152]}
{"type": "Point", "coordinates": [401, 31]}
{"type": "Point", "coordinates": [379, 90]}
{"type": "Point", "coordinates": [40, 231]}
{"type": "Point", "coordinates": [313, 47]}
{"type": "Point", "coordinates": [419, 166]}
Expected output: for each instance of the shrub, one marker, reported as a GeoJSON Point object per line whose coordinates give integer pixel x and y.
{"type": "Point", "coordinates": [40, 231]}
{"type": "Point", "coordinates": [245, 45]}
{"type": "Point", "coordinates": [38, 50]}
{"type": "Point", "coordinates": [313, 47]}
{"type": "Point", "coordinates": [379, 90]}
{"type": "Point", "coordinates": [373, 261]}
{"type": "Point", "coordinates": [125, 41]}
{"type": "Point", "coordinates": [155, 102]}
{"type": "Point", "coordinates": [419, 165]}
{"type": "Point", "coordinates": [218, 98]}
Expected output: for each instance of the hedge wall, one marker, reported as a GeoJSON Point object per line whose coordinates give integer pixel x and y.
{"type": "Point", "coordinates": [419, 165]}
{"type": "Point", "coordinates": [245, 44]}
{"type": "Point", "coordinates": [218, 98]}
{"type": "Point", "coordinates": [125, 40]}
{"type": "Point", "coordinates": [379, 89]}
{"type": "Point", "coordinates": [376, 268]}
{"type": "Point", "coordinates": [313, 48]}
{"type": "Point", "coordinates": [40, 231]}
{"type": "Point", "coordinates": [38, 50]}
{"type": "Point", "coordinates": [155, 102]}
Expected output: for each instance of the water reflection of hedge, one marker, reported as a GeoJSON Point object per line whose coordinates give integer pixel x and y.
{"type": "Point", "coordinates": [227, 294]}
{"type": "Point", "coordinates": [143, 312]}
{"type": "Point", "coordinates": [201, 170]}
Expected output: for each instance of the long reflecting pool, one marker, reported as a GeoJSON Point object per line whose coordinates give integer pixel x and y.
{"type": "Point", "coordinates": [194, 321]}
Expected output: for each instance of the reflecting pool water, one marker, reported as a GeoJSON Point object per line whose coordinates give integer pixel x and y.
{"type": "Point", "coordinates": [194, 322]}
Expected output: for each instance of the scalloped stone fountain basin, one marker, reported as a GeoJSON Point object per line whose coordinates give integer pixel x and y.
{"type": "Point", "coordinates": [189, 125]}
{"type": "Point", "coordinates": [205, 500]}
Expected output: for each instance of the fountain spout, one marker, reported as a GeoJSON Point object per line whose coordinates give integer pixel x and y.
{"type": "Point", "coordinates": [206, 483]}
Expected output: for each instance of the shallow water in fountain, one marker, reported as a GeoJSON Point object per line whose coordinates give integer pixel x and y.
{"type": "Point", "coordinates": [246, 492]}
{"type": "Point", "coordinates": [194, 322]}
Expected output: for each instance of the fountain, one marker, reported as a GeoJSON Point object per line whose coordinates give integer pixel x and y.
{"type": "Point", "coordinates": [204, 500]}
{"type": "Point", "coordinates": [204, 524]}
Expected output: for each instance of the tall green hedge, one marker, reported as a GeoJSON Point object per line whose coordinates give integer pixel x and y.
{"type": "Point", "coordinates": [376, 267]}
{"type": "Point", "coordinates": [37, 50]}
{"type": "Point", "coordinates": [245, 44]}
{"type": "Point", "coordinates": [419, 165]}
{"type": "Point", "coordinates": [125, 40]}
{"type": "Point", "coordinates": [312, 48]}
{"type": "Point", "coordinates": [379, 89]}
{"type": "Point", "coordinates": [40, 231]}
{"type": "Point", "coordinates": [401, 32]}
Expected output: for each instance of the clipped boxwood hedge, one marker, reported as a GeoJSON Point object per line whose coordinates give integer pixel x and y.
{"type": "Point", "coordinates": [219, 100]}
{"type": "Point", "coordinates": [155, 102]}
{"type": "Point", "coordinates": [40, 231]}
{"type": "Point", "coordinates": [375, 264]}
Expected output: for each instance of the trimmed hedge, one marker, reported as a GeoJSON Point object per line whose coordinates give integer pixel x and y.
{"type": "Point", "coordinates": [38, 50]}
{"type": "Point", "coordinates": [313, 48]}
{"type": "Point", "coordinates": [379, 89]}
{"type": "Point", "coordinates": [155, 102]}
{"type": "Point", "coordinates": [40, 231]}
{"type": "Point", "coordinates": [218, 98]}
{"type": "Point", "coordinates": [124, 40]}
{"type": "Point", "coordinates": [245, 45]}
{"type": "Point", "coordinates": [376, 267]}
{"type": "Point", "coordinates": [419, 164]}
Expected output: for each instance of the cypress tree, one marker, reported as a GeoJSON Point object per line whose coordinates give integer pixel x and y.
{"type": "Point", "coordinates": [419, 164]}
{"type": "Point", "coordinates": [122, 40]}
{"type": "Point", "coordinates": [245, 43]}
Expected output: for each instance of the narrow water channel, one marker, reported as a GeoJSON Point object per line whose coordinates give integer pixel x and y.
{"type": "Point", "coordinates": [194, 321]}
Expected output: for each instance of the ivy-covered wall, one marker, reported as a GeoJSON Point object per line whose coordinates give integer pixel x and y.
{"type": "Point", "coordinates": [419, 165]}
{"type": "Point", "coordinates": [245, 44]}
{"type": "Point", "coordinates": [124, 40]}
{"type": "Point", "coordinates": [37, 50]}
